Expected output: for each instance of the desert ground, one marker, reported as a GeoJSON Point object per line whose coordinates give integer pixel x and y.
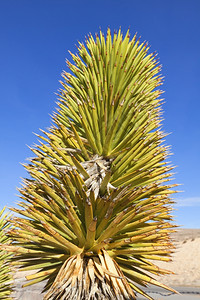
{"type": "Point", "coordinates": [185, 264]}
{"type": "Point", "coordinates": [185, 260]}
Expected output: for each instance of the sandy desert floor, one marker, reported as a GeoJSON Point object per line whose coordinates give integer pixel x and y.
{"type": "Point", "coordinates": [185, 260]}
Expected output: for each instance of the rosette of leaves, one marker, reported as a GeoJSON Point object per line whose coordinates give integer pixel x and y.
{"type": "Point", "coordinates": [5, 270]}
{"type": "Point", "coordinates": [96, 214]}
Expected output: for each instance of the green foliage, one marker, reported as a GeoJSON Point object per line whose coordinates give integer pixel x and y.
{"type": "Point", "coordinates": [5, 271]}
{"type": "Point", "coordinates": [99, 188]}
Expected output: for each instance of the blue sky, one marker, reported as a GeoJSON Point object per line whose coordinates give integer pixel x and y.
{"type": "Point", "coordinates": [35, 38]}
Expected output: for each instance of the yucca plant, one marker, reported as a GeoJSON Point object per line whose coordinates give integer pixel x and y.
{"type": "Point", "coordinates": [5, 269]}
{"type": "Point", "coordinates": [95, 214]}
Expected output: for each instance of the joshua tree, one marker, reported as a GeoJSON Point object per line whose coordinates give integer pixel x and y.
{"type": "Point", "coordinates": [5, 270]}
{"type": "Point", "coordinates": [95, 214]}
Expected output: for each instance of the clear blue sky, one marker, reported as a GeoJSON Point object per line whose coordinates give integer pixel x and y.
{"type": "Point", "coordinates": [35, 36]}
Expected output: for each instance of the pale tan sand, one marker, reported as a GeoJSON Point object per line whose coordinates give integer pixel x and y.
{"type": "Point", "coordinates": [185, 261]}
